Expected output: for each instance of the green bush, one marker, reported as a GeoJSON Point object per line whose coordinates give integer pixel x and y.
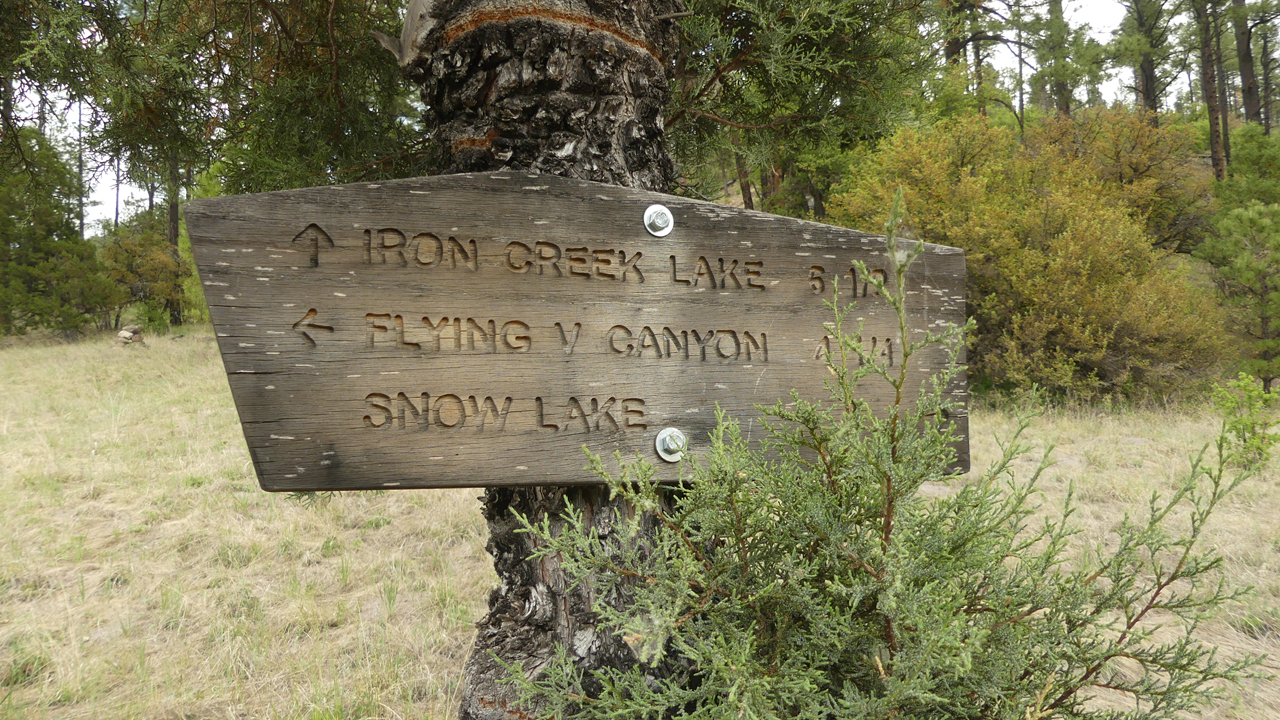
{"type": "Point", "coordinates": [1065, 283]}
{"type": "Point", "coordinates": [816, 582]}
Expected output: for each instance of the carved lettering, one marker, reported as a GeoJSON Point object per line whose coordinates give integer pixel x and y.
{"type": "Point", "coordinates": [542, 423]}
{"type": "Point", "coordinates": [389, 240]}
{"type": "Point", "coordinates": [682, 343]}
{"type": "Point", "coordinates": [518, 255]}
{"type": "Point", "coordinates": [702, 273]}
{"type": "Point", "coordinates": [513, 342]}
{"type": "Point", "coordinates": [721, 352]}
{"type": "Point", "coordinates": [481, 410]}
{"type": "Point", "coordinates": [730, 274]}
{"type": "Point", "coordinates": [726, 344]}
{"type": "Point", "coordinates": [566, 342]}
{"type": "Point", "coordinates": [445, 412]}
{"type": "Point", "coordinates": [580, 262]}
{"type": "Point", "coordinates": [761, 346]}
{"type": "Point", "coordinates": [470, 260]}
{"type": "Point", "coordinates": [611, 337]}
{"type": "Point", "coordinates": [548, 255]}
{"type": "Point", "coordinates": [633, 413]}
{"type": "Point", "coordinates": [382, 404]}
{"type": "Point", "coordinates": [702, 342]}
{"type": "Point", "coordinates": [674, 277]}
{"type": "Point", "coordinates": [435, 331]}
{"type": "Point", "coordinates": [590, 415]}
{"type": "Point", "coordinates": [488, 338]}
{"type": "Point", "coordinates": [371, 324]}
{"type": "Point", "coordinates": [482, 336]}
{"type": "Point", "coordinates": [421, 418]}
{"type": "Point", "coordinates": [433, 245]}
{"type": "Point", "coordinates": [456, 409]}
{"type": "Point", "coordinates": [400, 341]}
{"type": "Point", "coordinates": [426, 250]}
{"type": "Point", "coordinates": [705, 276]}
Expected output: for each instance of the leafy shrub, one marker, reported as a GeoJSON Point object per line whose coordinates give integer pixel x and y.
{"type": "Point", "coordinates": [143, 263]}
{"type": "Point", "coordinates": [1067, 289]}
{"type": "Point", "coordinates": [817, 583]}
{"type": "Point", "coordinates": [1248, 418]}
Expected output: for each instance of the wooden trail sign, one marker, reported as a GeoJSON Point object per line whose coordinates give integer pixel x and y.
{"type": "Point", "coordinates": [472, 330]}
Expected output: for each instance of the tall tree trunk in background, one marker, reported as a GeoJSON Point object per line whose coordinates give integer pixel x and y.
{"type": "Point", "coordinates": [1244, 57]}
{"type": "Point", "coordinates": [171, 199]}
{"type": "Point", "coordinates": [1208, 84]}
{"type": "Point", "coordinates": [957, 31]}
{"type": "Point", "coordinates": [575, 89]}
{"type": "Point", "coordinates": [1268, 65]}
{"type": "Point", "coordinates": [743, 171]}
{"type": "Point", "coordinates": [1224, 100]}
{"type": "Point", "coordinates": [1056, 39]}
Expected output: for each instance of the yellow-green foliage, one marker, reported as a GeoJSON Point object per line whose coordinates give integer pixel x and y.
{"type": "Point", "coordinates": [1064, 281]}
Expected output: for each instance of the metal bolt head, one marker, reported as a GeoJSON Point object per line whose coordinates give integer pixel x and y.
{"type": "Point", "coordinates": [659, 221]}
{"type": "Point", "coordinates": [671, 444]}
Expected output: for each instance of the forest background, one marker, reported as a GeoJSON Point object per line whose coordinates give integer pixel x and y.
{"type": "Point", "coordinates": [1126, 249]}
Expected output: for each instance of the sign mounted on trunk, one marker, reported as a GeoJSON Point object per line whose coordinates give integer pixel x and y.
{"type": "Point", "coordinates": [474, 330]}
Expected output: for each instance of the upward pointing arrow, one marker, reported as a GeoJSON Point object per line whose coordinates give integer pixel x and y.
{"type": "Point", "coordinates": [317, 236]}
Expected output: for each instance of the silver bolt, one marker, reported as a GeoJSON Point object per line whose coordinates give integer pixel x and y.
{"type": "Point", "coordinates": [659, 221]}
{"type": "Point", "coordinates": [671, 444]}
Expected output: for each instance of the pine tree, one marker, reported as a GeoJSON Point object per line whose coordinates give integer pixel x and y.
{"type": "Point", "coordinates": [1246, 255]}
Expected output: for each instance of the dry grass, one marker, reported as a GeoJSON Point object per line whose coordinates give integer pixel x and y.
{"type": "Point", "coordinates": [144, 575]}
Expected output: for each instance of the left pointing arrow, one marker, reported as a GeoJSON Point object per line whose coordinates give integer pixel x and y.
{"type": "Point", "coordinates": [306, 323]}
{"type": "Point", "coordinates": [317, 237]}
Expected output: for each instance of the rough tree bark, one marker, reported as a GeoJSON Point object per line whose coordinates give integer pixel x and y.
{"type": "Point", "coordinates": [1267, 65]}
{"type": "Point", "coordinates": [1224, 103]}
{"type": "Point", "coordinates": [1208, 84]}
{"type": "Point", "coordinates": [1244, 58]}
{"type": "Point", "coordinates": [743, 171]}
{"type": "Point", "coordinates": [575, 88]}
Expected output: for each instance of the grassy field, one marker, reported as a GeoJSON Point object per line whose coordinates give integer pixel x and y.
{"type": "Point", "coordinates": [144, 575]}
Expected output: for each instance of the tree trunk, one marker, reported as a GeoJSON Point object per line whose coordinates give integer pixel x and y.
{"type": "Point", "coordinates": [1267, 66]}
{"type": "Point", "coordinates": [744, 172]}
{"type": "Point", "coordinates": [1057, 42]}
{"type": "Point", "coordinates": [575, 88]}
{"type": "Point", "coordinates": [1208, 84]}
{"type": "Point", "coordinates": [171, 199]}
{"type": "Point", "coordinates": [1244, 56]}
{"type": "Point", "coordinates": [1224, 104]}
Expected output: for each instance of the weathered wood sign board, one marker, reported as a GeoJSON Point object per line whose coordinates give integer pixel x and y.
{"type": "Point", "coordinates": [473, 330]}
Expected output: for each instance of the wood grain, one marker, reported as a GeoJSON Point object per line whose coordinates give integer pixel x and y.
{"type": "Point", "coordinates": [475, 330]}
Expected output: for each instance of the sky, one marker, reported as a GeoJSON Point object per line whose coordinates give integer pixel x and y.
{"type": "Point", "coordinates": [1102, 16]}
